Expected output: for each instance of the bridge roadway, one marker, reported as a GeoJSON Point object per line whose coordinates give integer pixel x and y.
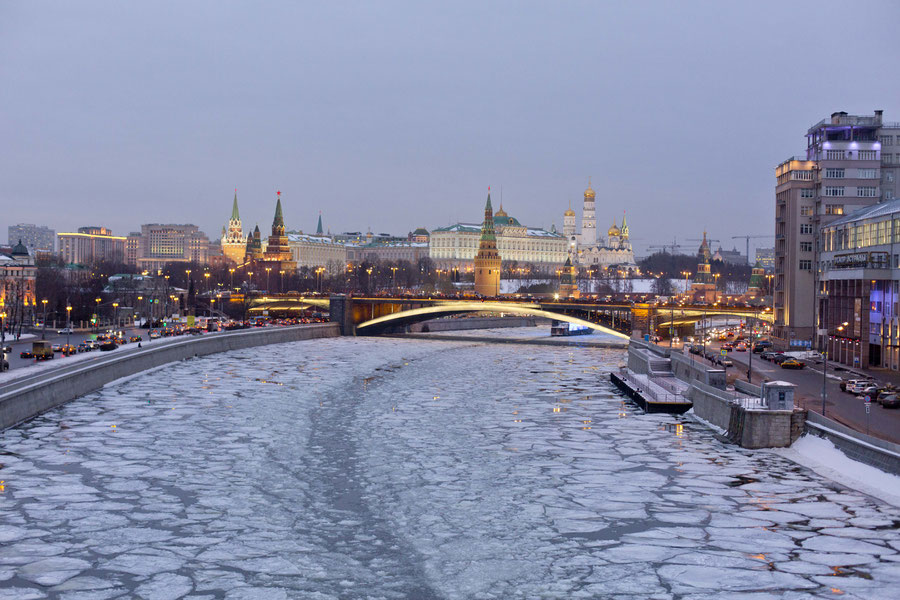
{"type": "Point", "coordinates": [389, 314]}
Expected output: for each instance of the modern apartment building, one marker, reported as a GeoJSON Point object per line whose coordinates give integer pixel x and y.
{"type": "Point", "coordinates": [91, 244]}
{"type": "Point", "coordinates": [841, 172]}
{"type": "Point", "coordinates": [35, 237]}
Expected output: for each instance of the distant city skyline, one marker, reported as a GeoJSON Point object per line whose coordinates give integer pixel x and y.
{"type": "Point", "coordinates": [398, 116]}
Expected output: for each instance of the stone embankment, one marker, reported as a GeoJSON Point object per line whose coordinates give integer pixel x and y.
{"type": "Point", "coordinates": [26, 397]}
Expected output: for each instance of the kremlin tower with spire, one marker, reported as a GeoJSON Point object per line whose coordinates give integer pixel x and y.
{"type": "Point", "coordinates": [233, 243]}
{"type": "Point", "coordinates": [487, 261]}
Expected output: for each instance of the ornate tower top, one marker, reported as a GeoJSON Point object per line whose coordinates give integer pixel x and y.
{"type": "Point", "coordinates": [319, 226]}
{"type": "Point", "coordinates": [279, 218]}
{"type": "Point", "coordinates": [589, 192]}
{"type": "Point", "coordinates": [235, 216]}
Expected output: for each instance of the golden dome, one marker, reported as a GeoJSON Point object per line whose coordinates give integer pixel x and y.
{"type": "Point", "coordinates": [589, 192]}
{"type": "Point", "coordinates": [501, 212]}
{"type": "Point", "coordinates": [613, 231]}
{"type": "Point", "coordinates": [569, 212]}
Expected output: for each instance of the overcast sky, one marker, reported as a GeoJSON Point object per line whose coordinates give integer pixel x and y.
{"type": "Point", "coordinates": [400, 115]}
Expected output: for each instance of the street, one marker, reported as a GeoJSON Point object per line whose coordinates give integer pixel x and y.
{"type": "Point", "coordinates": [840, 406]}
{"type": "Point", "coordinates": [15, 362]}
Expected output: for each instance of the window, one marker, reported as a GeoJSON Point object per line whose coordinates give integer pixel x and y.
{"type": "Point", "coordinates": [889, 176]}
{"type": "Point", "coordinates": [834, 155]}
{"type": "Point", "coordinates": [806, 193]}
{"type": "Point", "coordinates": [834, 173]}
{"type": "Point", "coordinates": [867, 155]}
{"type": "Point", "coordinates": [806, 211]}
{"type": "Point", "coordinates": [887, 159]}
{"type": "Point", "coordinates": [831, 190]}
{"type": "Point", "coordinates": [887, 140]}
{"type": "Point", "coordinates": [806, 265]}
{"type": "Point", "coordinates": [806, 228]}
{"type": "Point", "coordinates": [889, 194]}
{"type": "Point", "coordinates": [866, 192]}
{"type": "Point", "coordinates": [867, 173]}
{"type": "Point", "coordinates": [805, 246]}
{"type": "Point", "coordinates": [834, 209]}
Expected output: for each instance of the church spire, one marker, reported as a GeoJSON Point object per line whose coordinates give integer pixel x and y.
{"type": "Point", "coordinates": [235, 216]}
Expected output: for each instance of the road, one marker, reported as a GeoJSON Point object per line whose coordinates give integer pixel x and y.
{"type": "Point", "coordinates": [840, 406]}
{"type": "Point", "coordinates": [15, 362]}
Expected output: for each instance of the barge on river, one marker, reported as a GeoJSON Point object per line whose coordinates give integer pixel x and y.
{"type": "Point", "coordinates": [653, 393]}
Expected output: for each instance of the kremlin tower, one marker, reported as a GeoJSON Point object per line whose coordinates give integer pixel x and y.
{"type": "Point", "coordinates": [233, 245]}
{"type": "Point", "coordinates": [487, 261]}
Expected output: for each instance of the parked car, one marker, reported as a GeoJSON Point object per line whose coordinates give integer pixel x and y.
{"type": "Point", "coordinates": [847, 383]}
{"type": "Point", "coordinates": [890, 401]}
{"type": "Point", "coordinates": [759, 347]}
{"type": "Point", "coordinates": [870, 390]}
{"type": "Point", "coordinates": [65, 330]}
{"type": "Point", "coordinates": [887, 391]}
{"type": "Point", "coordinates": [791, 363]}
{"type": "Point", "coordinates": [724, 361]}
{"type": "Point", "coordinates": [780, 358]}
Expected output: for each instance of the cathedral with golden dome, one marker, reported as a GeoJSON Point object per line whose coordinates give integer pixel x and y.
{"type": "Point", "coordinates": [589, 249]}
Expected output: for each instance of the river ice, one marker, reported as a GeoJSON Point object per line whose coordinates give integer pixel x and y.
{"type": "Point", "coordinates": [388, 468]}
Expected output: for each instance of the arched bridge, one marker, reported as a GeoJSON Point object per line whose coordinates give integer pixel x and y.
{"type": "Point", "coordinates": [378, 315]}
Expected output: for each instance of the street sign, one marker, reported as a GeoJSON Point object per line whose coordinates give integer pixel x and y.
{"type": "Point", "coordinates": [723, 352]}
{"type": "Point", "coordinates": [868, 400]}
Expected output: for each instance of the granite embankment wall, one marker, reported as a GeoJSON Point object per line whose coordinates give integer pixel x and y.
{"type": "Point", "coordinates": [24, 398]}
{"type": "Point", "coordinates": [866, 449]}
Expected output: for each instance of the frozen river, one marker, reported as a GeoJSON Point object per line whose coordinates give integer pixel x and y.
{"type": "Point", "coordinates": [387, 468]}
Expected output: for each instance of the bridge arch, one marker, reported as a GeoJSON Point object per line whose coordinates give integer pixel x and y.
{"type": "Point", "coordinates": [425, 313]}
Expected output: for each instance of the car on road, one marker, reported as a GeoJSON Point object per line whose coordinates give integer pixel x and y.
{"type": "Point", "coordinates": [57, 347]}
{"type": "Point", "coordinates": [724, 361]}
{"type": "Point", "coordinates": [890, 401]}
{"type": "Point", "coordinates": [780, 358]}
{"type": "Point", "coordinates": [870, 390]}
{"type": "Point", "coordinates": [154, 334]}
{"type": "Point", "coordinates": [791, 363]}
{"type": "Point", "coordinates": [762, 346]}
{"type": "Point", "coordinates": [135, 338]}
{"type": "Point", "coordinates": [108, 345]}
{"type": "Point", "coordinates": [845, 384]}
{"type": "Point", "coordinates": [26, 354]}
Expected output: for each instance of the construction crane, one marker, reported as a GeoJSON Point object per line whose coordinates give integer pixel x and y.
{"type": "Point", "coordinates": [747, 237]}
{"type": "Point", "coordinates": [665, 247]}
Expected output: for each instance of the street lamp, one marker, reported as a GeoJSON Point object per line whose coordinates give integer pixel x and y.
{"type": "Point", "coordinates": [232, 277]}
{"type": "Point", "coordinates": [268, 281]}
{"type": "Point", "coordinates": [68, 323]}
{"type": "Point", "coordinates": [116, 307]}
{"type": "Point", "coordinates": [206, 276]}
{"type": "Point", "coordinates": [825, 366]}
{"type": "Point", "coordinates": [281, 284]}
{"type": "Point", "coordinates": [44, 328]}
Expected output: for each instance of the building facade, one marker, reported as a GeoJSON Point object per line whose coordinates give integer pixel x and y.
{"type": "Point", "coordinates": [766, 258]}
{"type": "Point", "coordinates": [456, 245]}
{"type": "Point", "coordinates": [842, 171]}
{"type": "Point", "coordinates": [387, 251]}
{"type": "Point", "coordinates": [90, 245]}
{"type": "Point", "coordinates": [38, 238]}
{"type": "Point", "coordinates": [861, 282]}
{"type": "Point", "coordinates": [18, 275]}
{"type": "Point", "coordinates": [317, 251]}
{"type": "Point", "coordinates": [589, 249]}
{"type": "Point", "coordinates": [159, 244]}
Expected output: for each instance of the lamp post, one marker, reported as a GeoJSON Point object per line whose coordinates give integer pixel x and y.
{"type": "Point", "coordinates": [825, 366]}
{"type": "Point", "coordinates": [394, 278]}
{"type": "Point", "coordinates": [68, 323]}
{"type": "Point", "coordinates": [206, 277]}
{"type": "Point", "coordinates": [319, 278]}
{"type": "Point", "coordinates": [250, 284]}
{"type": "Point", "coordinates": [97, 326]}
{"type": "Point", "coordinates": [268, 279]}
{"type": "Point", "coordinates": [2, 327]}
{"type": "Point", "coordinates": [44, 327]}
{"type": "Point", "coordinates": [281, 284]}
{"type": "Point", "coordinates": [116, 318]}
{"type": "Point", "coordinates": [231, 271]}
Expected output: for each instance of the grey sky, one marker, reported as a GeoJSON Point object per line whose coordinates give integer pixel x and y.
{"type": "Point", "coordinates": [399, 115]}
